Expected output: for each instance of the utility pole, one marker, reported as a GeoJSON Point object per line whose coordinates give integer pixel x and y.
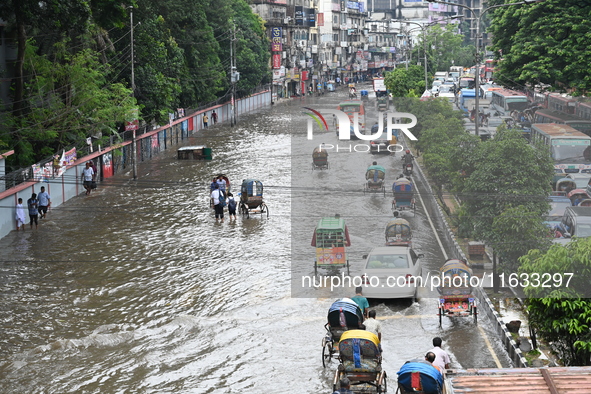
{"type": "Point", "coordinates": [133, 141]}
{"type": "Point", "coordinates": [234, 76]}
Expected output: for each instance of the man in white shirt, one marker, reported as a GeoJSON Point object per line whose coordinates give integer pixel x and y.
{"type": "Point", "coordinates": [373, 325]}
{"type": "Point", "coordinates": [442, 359]}
{"type": "Point", "coordinates": [88, 177]}
{"type": "Point", "coordinates": [217, 205]}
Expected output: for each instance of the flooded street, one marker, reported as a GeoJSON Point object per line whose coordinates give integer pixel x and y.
{"type": "Point", "coordinates": [136, 288]}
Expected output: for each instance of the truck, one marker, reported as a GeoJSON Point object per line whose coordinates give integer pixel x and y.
{"type": "Point", "coordinates": [382, 95]}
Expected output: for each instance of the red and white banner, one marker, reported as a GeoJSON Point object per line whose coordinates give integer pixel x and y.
{"type": "Point", "coordinates": [277, 60]}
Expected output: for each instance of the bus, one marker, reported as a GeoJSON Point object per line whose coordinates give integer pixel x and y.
{"type": "Point", "coordinates": [350, 108]}
{"type": "Point", "coordinates": [570, 149]}
{"type": "Point", "coordinates": [467, 81]}
{"type": "Point", "coordinates": [505, 101]}
{"type": "Point", "coordinates": [549, 116]}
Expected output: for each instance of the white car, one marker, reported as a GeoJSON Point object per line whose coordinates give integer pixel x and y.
{"type": "Point", "coordinates": [446, 91]}
{"type": "Point", "coordinates": [392, 272]}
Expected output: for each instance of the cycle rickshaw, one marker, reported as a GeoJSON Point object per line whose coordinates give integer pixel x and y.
{"type": "Point", "coordinates": [375, 175]}
{"type": "Point", "coordinates": [330, 238]}
{"type": "Point", "coordinates": [251, 198]}
{"type": "Point", "coordinates": [343, 315]}
{"type": "Point", "coordinates": [403, 192]}
{"type": "Point", "coordinates": [319, 159]}
{"type": "Point", "coordinates": [419, 378]}
{"type": "Point", "coordinates": [361, 362]}
{"type": "Point", "coordinates": [398, 233]}
{"type": "Point", "coordinates": [455, 293]}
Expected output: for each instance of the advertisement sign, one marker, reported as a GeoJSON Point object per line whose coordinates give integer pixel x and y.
{"type": "Point", "coordinates": [320, 19]}
{"type": "Point", "coordinates": [108, 163]}
{"type": "Point", "coordinates": [331, 255]}
{"type": "Point", "coordinates": [134, 123]}
{"type": "Point", "coordinates": [276, 34]}
{"type": "Point", "coordinates": [276, 60]}
{"type": "Point", "coordinates": [299, 15]}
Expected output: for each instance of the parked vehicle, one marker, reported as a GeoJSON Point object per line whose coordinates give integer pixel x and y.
{"type": "Point", "coordinates": [576, 222]}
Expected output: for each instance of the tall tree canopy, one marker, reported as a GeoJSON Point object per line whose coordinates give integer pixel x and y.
{"type": "Point", "coordinates": [75, 81]}
{"type": "Point", "coordinates": [545, 42]}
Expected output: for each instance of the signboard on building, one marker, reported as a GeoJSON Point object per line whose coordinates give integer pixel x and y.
{"type": "Point", "coordinates": [310, 17]}
{"type": "Point", "coordinates": [276, 34]}
{"type": "Point", "coordinates": [299, 15]}
{"type": "Point", "coordinates": [353, 5]}
{"type": "Point", "coordinates": [320, 19]}
{"type": "Point", "coordinates": [276, 60]}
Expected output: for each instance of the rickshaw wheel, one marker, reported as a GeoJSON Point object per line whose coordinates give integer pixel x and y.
{"type": "Point", "coordinates": [440, 316]}
{"type": "Point", "coordinates": [475, 315]}
{"type": "Point", "coordinates": [379, 387]}
{"type": "Point", "coordinates": [384, 191]}
{"type": "Point", "coordinates": [264, 209]}
{"type": "Point", "coordinates": [326, 353]}
{"type": "Point", "coordinates": [348, 266]}
{"type": "Point", "coordinates": [313, 167]}
{"type": "Point", "coordinates": [315, 268]}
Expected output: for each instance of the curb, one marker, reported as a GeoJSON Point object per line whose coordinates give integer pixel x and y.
{"type": "Point", "coordinates": [485, 303]}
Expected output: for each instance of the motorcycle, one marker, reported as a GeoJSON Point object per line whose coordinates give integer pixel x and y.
{"type": "Point", "coordinates": [407, 170]}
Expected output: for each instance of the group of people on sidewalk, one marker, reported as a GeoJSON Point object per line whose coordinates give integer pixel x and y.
{"type": "Point", "coordinates": [214, 118]}
{"type": "Point", "coordinates": [37, 206]}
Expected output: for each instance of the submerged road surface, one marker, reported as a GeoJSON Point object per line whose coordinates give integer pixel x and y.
{"type": "Point", "coordinates": [137, 289]}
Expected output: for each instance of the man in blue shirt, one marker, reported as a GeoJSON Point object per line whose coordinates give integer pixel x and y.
{"type": "Point", "coordinates": [361, 301]}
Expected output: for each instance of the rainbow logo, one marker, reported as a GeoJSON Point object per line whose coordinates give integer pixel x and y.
{"type": "Point", "coordinates": [318, 118]}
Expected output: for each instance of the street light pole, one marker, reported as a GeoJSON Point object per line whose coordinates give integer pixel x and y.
{"type": "Point", "coordinates": [477, 76]}
{"type": "Point", "coordinates": [424, 51]}
{"type": "Point", "coordinates": [133, 140]}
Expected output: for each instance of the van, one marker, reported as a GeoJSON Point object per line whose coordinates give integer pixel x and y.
{"type": "Point", "coordinates": [576, 222]}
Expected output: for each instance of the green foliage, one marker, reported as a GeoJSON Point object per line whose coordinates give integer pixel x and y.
{"type": "Point", "coordinates": [67, 100]}
{"type": "Point", "coordinates": [531, 54]}
{"type": "Point", "coordinates": [516, 231]}
{"type": "Point", "coordinates": [445, 48]}
{"type": "Point", "coordinates": [507, 172]}
{"type": "Point", "coordinates": [405, 83]}
{"type": "Point", "coordinates": [76, 79]}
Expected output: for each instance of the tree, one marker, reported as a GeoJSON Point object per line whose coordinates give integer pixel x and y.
{"type": "Point", "coordinates": [561, 312]}
{"type": "Point", "coordinates": [516, 231]}
{"type": "Point", "coordinates": [405, 83]}
{"type": "Point", "coordinates": [445, 48]}
{"type": "Point", "coordinates": [530, 54]}
{"type": "Point", "coordinates": [67, 100]}
{"type": "Point", "coordinates": [507, 172]}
